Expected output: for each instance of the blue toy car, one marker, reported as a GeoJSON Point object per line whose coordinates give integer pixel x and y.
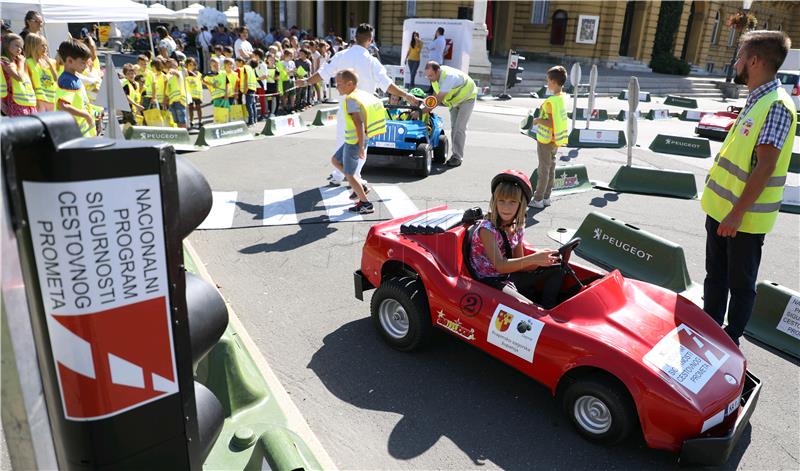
{"type": "Point", "coordinates": [408, 142]}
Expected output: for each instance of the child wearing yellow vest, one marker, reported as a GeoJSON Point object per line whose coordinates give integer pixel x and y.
{"type": "Point", "coordinates": [194, 85]}
{"type": "Point", "coordinates": [160, 70]}
{"type": "Point", "coordinates": [247, 88]}
{"type": "Point", "coordinates": [364, 117]}
{"type": "Point", "coordinates": [71, 95]}
{"type": "Point", "coordinates": [176, 93]}
{"type": "Point", "coordinates": [21, 98]}
{"type": "Point", "coordinates": [42, 71]}
{"type": "Point", "coordinates": [232, 78]}
{"type": "Point", "coordinates": [272, 85]}
{"type": "Point", "coordinates": [551, 133]}
{"type": "Point", "coordinates": [133, 93]}
{"type": "Point", "coordinates": [217, 82]}
{"type": "Point", "coordinates": [146, 70]}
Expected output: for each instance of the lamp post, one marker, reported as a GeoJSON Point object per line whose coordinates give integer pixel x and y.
{"type": "Point", "coordinates": [745, 9]}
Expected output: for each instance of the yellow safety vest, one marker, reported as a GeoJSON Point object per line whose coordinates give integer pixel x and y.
{"type": "Point", "coordinates": [93, 71]}
{"type": "Point", "coordinates": [375, 116]}
{"type": "Point", "coordinates": [270, 75]}
{"type": "Point", "coordinates": [133, 92]}
{"type": "Point", "coordinates": [149, 77]}
{"type": "Point", "coordinates": [176, 89]}
{"type": "Point", "coordinates": [282, 73]}
{"type": "Point", "coordinates": [231, 85]}
{"type": "Point", "coordinates": [195, 86]}
{"type": "Point", "coordinates": [216, 85]}
{"type": "Point", "coordinates": [247, 79]}
{"type": "Point", "coordinates": [459, 94]}
{"type": "Point", "coordinates": [560, 134]}
{"type": "Point", "coordinates": [3, 86]}
{"type": "Point", "coordinates": [22, 91]}
{"type": "Point", "coordinates": [727, 177]}
{"type": "Point", "coordinates": [80, 100]}
{"type": "Point", "coordinates": [44, 84]}
{"type": "Point", "coordinates": [300, 71]}
{"type": "Point", "coordinates": [161, 86]}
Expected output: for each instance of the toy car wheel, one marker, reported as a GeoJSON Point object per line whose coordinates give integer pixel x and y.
{"type": "Point", "coordinates": [599, 410]}
{"type": "Point", "coordinates": [440, 152]}
{"type": "Point", "coordinates": [400, 312]}
{"type": "Point", "coordinates": [425, 154]}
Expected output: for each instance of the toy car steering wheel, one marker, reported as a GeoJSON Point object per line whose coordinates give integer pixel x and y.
{"type": "Point", "coordinates": [565, 251]}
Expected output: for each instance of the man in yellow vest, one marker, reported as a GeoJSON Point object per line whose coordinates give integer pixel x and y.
{"type": "Point", "coordinates": [744, 187]}
{"type": "Point", "coordinates": [364, 118]}
{"type": "Point", "coordinates": [457, 91]}
{"type": "Point", "coordinates": [552, 131]}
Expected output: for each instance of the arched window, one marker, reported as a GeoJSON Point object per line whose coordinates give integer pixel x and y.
{"type": "Point", "coordinates": [766, 24]}
{"type": "Point", "coordinates": [780, 26]}
{"type": "Point", "coordinates": [731, 36]}
{"type": "Point", "coordinates": [558, 32]}
{"type": "Point", "coordinates": [715, 29]}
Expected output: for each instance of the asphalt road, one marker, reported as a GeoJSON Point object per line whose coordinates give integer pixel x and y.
{"type": "Point", "coordinates": [452, 406]}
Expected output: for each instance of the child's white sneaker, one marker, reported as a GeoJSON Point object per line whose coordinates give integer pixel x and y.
{"type": "Point", "coordinates": [546, 202]}
{"type": "Point", "coordinates": [539, 204]}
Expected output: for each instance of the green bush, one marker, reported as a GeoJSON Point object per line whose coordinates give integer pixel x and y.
{"type": "Point", "coordinates": [665, 63]}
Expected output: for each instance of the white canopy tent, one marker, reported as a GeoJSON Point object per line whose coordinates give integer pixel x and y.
{"type": "Point", "coordinates": [232, 14]}
{"type": "Point", "coordinates": [158, 11]}
{"type": "Point", "coordinates": [190, 12]}
{"type": "Point", "coordinates": [57, 13]}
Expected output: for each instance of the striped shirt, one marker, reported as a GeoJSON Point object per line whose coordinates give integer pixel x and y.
{"type": "Point", "coordinates": [779, 119]}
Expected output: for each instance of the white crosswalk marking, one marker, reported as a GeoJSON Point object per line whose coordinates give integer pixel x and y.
{"type": "Point", "coordinates": [337, 201]}
{"type": "Point", "coordinates": [396, 200]}
{"type": "Point", "coordinates": [279, 207]}
{"type": "Point", "coordinates": [221, 214]}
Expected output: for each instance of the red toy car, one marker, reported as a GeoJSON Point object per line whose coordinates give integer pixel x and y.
{"type": "Point", "coordinates": [717, 125]}
{"type": "Point", "coordinates": [617, 353]}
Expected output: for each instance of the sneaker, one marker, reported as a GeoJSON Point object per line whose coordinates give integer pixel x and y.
{"type": "Point", "coordinates": [539, 204]}
{"type": "Point", "coordinates": [451, 162]}
{"type": "Point", "coordinates": [354, 196]}
{"type": "Point", "coordinates": [362, 208]}
{"type": "Point", "coordinates": [547, 202]}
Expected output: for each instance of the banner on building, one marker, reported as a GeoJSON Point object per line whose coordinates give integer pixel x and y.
{"type": "Point", "coordinates": [458, 40]}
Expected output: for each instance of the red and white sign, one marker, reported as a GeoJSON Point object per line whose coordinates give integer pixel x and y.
{"type": "Point", "coordinates": [101, 263]}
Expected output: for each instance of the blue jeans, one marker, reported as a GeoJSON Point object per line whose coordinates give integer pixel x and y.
{"type": "Point", "coordinates": [731, 265]}
{"type": "Point", "coordinates": [178, 111]}
{"type": "Point", "coordinates": [250, 103]}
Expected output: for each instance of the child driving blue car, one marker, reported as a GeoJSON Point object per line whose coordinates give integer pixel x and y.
{"type": "Point", "coordinates": [498, 257]}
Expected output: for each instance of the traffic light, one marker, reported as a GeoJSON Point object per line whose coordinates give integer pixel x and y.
{"type": "Point", "coordinates": [118, 324]}
{"type": "Point", "coordinates": [513, 74]}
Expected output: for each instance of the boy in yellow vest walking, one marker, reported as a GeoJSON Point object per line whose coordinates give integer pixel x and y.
{"type": "Point", "coordinates": [744, 187]}
{"type": "Point", "coordinates": [364, 117]}
{"type": "Point", "coordinates": [71, 95]}
{"type": "Point", "coordinates": [552, 131]}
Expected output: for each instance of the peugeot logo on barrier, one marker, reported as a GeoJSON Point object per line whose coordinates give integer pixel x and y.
{"type": "Point", "coordinates": [626, 247]}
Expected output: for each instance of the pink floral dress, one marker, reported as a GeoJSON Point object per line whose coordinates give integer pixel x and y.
{"type": "Point", "coordinates": [481, 264]}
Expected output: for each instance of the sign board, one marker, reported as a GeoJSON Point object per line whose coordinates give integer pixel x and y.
{"type": "Point", "coordinates": [597, 114]}
{"type": "Point", "coordinates": [397, 73]}
{"type": "Point", "coordinates": [220, 134]}
{"type": "Point", "coordinates": [658, 114]}
{"type": "Point", "coordinates": [610, 138]}
{"type": "Point", "coordinates": [681, 101]}
{"type": "Point", "coordinates": [101, 263]}
{"type": "Point", "coordinates": [568, 179]}
{"type": "Point", "coordinates": [680, 145]}
{"type": "Point", "coordinates": [692, 115]}
{"type": "Point", "coordinates": [623, 115]}
{"type": "Point", "coordinates": [643, 96]}
{"type": "Point", "coordinates": [283, 125]}
{"type": "Point", "coordinates": [458, 43]}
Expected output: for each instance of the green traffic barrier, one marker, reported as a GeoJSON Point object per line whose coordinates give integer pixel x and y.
{"type": "Point", "coordinates": [658, 114]}
{"type": "Point", "coordinates": [255, 428]}
{"type": "Point", "coordinates": [776, 318]}
{"type": "Point", "coordinates": [643, 96]}
{"type": "Point", "coordinates": [544, 92]}
{"type": "Point", "coordinates": [214, 135]}
{"type": "Point", "coordinates": [651, 181]}
{"type": "Point", "coordinates": [178, 137]}
{"type": "Point", "coordinates": [607, 138]}
{"type": "Point", "coordinates": [623, 115]}
{"type": "Point", "coordinates": [284, 125]}
{"type": "Point", "coordinates": [681, 101]}
{"type": "Point", "coordinates": [597, 115]}
{"type": "Point", "coordinates": [692, 115]}
{"type": "Point", "coordinates": [568, 179]}
{"type": "Point", "coordinates": [325, 117]}
{"type": "Point", "coordinates": [679, 145]}
{"type": "Point", "coordinates": [613, 244]}
{"type": "Point", "coordinates": [794, 163]}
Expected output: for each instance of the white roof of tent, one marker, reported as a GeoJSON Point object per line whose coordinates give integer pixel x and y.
{"type": "Point", "coordinates": [72, 11]}
{"type": "Point", "coordinates": [190, 12]}
{"type": "Point", "coordinates": [159, 11]}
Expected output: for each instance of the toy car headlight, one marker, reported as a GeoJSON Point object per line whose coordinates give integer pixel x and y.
{"type": "Point", "coordinates": [401, 130]}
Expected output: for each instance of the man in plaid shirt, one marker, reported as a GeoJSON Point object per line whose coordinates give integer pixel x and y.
{"type": "Point", "coordinates": [744, 187]}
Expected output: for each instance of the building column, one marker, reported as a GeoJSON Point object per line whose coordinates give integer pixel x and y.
{"type": "Point", "coordinates": [268, 16]}
{"type": "Point", "coordinates": [479, 65]}
{"type": "Point", "coordinates": [320, 18]}
{"type": "Point", "coordinates": [291, 14]}
{"type": "Point", "coordinates": [372, 14]}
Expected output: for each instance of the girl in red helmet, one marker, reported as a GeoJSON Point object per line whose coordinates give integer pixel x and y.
{"type": "Point", "coordinates": [497, 256]}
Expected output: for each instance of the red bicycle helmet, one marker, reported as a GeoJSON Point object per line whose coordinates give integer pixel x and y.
{"type": "Point", "coordinates": [517, 178]}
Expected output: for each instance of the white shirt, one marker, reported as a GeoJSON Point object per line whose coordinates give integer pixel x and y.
{"type": "Point", "coordinates": [436, 51]}
{"type": "Point", "coordinates": [204, 39]}
{"type": "Point", "coordinates": [371, 75]}
{"type": "Point", "coordinates": [242, 48]}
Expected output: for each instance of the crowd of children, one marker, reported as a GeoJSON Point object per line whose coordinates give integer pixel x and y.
{"type": "Point", "coordinates": [163, 91]}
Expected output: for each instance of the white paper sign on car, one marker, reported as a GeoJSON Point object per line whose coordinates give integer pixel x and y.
{"type": "Point", "coordinates": [790, 320]}
{"type": "Point", "coordinates": [514, 332]}
{"type": "Point", "coordinates": [687, 357]}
